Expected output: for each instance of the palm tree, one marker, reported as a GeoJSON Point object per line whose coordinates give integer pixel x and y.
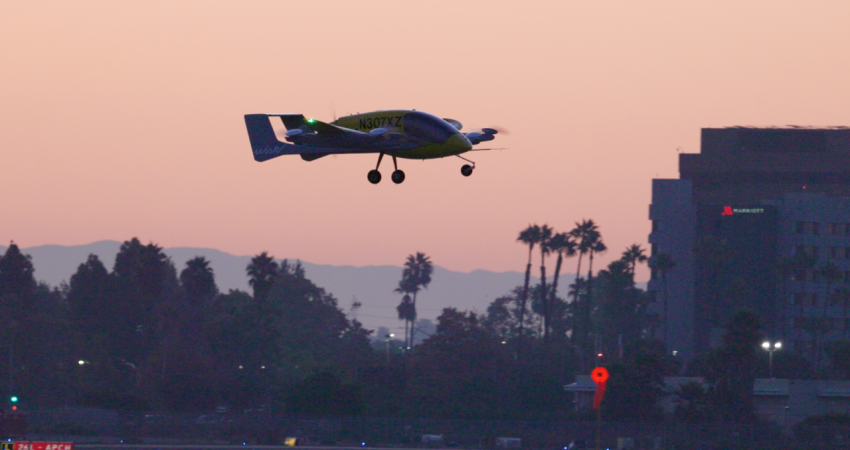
{"type": "Point", "coordinates": [634, 255]}
{"type": "Point", "coordinates": [407, 313]}
{"type": "Point", "coordinates": [543, 240]}
{"type": "Point", "coordinates": [198, 280]}
{"type": "Point", "coordinates": [564, 245]}
{"type": "Point", "coordinates": [580, 235]}
{"type": "Point", "coordinates": [595, 246]}
{"type": "Point", "coordinates": [528, 236]}
{"type": "Point", "coordinates": [416, 275]}
{"type": "Point", "coordinates": [261, 272]}
{"type": "Point", "coordinates": [663, 263]}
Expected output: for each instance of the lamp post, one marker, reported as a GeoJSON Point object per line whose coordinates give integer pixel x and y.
{"type": "Point", "coordinates": [771, 347]}
{"type": "Point", "coordinates": [387, 340]}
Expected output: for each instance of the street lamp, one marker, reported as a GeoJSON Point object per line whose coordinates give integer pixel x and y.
{"type": "Point", "coordinates": [770, 348]}
{"type": "Point", "coordinates": [387, 340]}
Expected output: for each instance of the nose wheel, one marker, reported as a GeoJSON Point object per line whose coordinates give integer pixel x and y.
{"type": "Point", "coordinates": [466, 169]}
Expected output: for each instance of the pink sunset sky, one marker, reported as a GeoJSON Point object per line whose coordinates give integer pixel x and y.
{"type": "Point", "coordinates": [122, 119]}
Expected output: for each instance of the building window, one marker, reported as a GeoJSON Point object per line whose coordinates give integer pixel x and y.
{"type": "Point", "coordinates": [836, 252]}
{"type": "Point", "coordinates": [815, 228]}
{"type": "Point", "coordinates": [801, 227]}
{"type": "Point", "coordinates": [814, 251]}
{"type": "Point", "coordinates": [654, 250]}
{"type": "Point", "coordinates": [835, 228]}
{"type": "Point", "coordinates": [654, 225]}
{"type": "Point", "coordinates": [814, 299]}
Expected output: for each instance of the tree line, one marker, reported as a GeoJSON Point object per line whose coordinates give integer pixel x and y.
{"type": "Point", "coordinates": [149, 336]}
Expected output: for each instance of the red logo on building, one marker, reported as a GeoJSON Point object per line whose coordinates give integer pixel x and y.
{"type": "Point", "coordinates": [727, 211]}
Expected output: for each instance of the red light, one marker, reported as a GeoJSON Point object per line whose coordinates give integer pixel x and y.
{"type": "Point", "coordinates": [599, 375]}
{"type": "Point", "coordinates": [14, 407]}
{"type": "Point", "coordinates": [727, 211]}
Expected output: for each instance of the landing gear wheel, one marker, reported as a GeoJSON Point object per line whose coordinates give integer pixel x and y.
{"type": "Point", "coordinates": [374, 176]}
{"type": "Point", "coordinates": [397, 176]}
{"type": "Point", "coordinates": [466, 170]}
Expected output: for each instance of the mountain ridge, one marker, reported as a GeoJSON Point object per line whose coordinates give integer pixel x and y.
{"type": "Point", "coordinates": [372, 286]}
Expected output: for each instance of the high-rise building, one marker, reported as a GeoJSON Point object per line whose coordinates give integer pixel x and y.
{"type": "Point", "coordinates": [759, 220]}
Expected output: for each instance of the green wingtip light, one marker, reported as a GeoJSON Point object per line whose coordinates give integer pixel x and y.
{"type": "Point", "coordinates": [309, 120]}
{"type": "Point", "coordinates": [14, 399]}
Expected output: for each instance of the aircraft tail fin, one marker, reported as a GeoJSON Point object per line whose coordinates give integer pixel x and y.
{"type": "Point", "coordinates": [264, 143]}
{"type": "Point", "coordinates": [266, 146]}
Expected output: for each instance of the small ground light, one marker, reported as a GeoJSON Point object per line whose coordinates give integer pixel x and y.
{"type": "Point", "coordinates": [362, 444]}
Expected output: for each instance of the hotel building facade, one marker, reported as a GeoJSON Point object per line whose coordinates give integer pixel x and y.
{"type": "Point", "coordinates": [759, 220]}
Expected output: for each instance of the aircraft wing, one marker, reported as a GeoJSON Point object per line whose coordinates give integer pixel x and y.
{"type": "Point", "coordinates": [314, 139]}
{"type": "Point", "coordinates": [298, 121]}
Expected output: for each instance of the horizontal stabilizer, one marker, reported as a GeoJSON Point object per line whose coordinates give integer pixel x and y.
{"type": "Point", "coordinates": [266, 146]}
{"type": "Point", "coordinates": [312, 156]}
